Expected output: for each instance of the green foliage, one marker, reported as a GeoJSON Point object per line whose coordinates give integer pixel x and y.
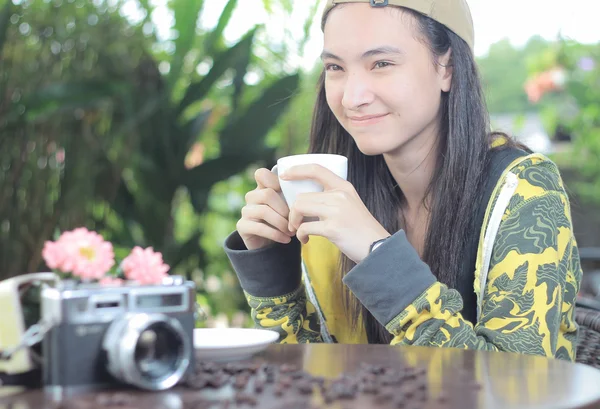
{"type": "Point", "coordinates": [97, 130]}
{"type": "Point", "coordinates": [504, 71]}
{"type": "Point", "coordinates": [60, 69]}
{"type": "Point", "coordinates": [582, 92]}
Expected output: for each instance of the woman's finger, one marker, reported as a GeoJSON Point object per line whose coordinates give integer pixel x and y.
{"type": "Point", "coordinates": [267, 179]}
{"type": "Point", "coordinates": [317, 173]}
{"type": "Point", "coordinates": [248, 227]}
{"type": "Point", "coordinates": [265, 213]}
{"type": "Point", "coordinates": [307, 208]}
{"type": "Point", "coordinates": [269, 197]}
{"type": "Point", "coordinates": [306, 229]}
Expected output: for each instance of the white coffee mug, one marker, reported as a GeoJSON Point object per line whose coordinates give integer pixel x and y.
{"type": "Point", "coordinates": [338, 164]}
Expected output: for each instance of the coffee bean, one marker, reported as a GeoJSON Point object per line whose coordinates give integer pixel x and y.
{"type": "Point", "coordinates": [305, 387]}
{"type": "Point", "coordinates": [297, 375]}
{"type": "Point", "coordinates": [231, 368]}
{"type": "Point", "coordinates": [286, 368]}
{"type": "Point", "coordinates": [384, 398]}
{"type": "Point", "coordinates": [259, 385]}
{"type": "Point", "coordinates": [243, 397]}
{"type": "Point", "coordinates": [376, 369]}
{"type": "Point", "coordinates": [271, 374]}
{"type": "Point", "coordinates": [370, 388]}
{"type": "Point", "coordinates": [253, 367]}
{"type": "Point", "coordinates": [442, 397]}
{"type": "Point", "coordinates": [218, 379]}
{"type": "Point", "coordinates": [408, 392]}
{"type": "Point", "coordinates": [286, 381]}
{"type": "Point", "coordinates": [369, 377]}
{"type": "Point", "coordinates": [279, 389]}
{"type": "Point", "coordinates": [241, 381]}
{"type": "Point", "coordinates": [419, 370]}
{"type": "Point", "coordinates": [329, 397]}
{"type": "Point", "coordinates": [210, 367]}
{"type": "Point", "coordinates": [319, 380]}
{"type": "Point", "coordinates": [343, 390]}
{"type": "Point", "coordinates": [197, 381]}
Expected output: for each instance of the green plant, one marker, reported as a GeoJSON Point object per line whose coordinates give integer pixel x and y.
{"type": "Point", "coordinates": [575, 109]}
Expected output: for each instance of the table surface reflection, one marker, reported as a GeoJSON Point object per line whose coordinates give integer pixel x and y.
{"type": "Point", "coordinates": [505, 381]}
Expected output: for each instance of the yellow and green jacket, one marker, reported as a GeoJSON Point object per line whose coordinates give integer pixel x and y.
{"type": "Point", "coordinates": [526, 279]}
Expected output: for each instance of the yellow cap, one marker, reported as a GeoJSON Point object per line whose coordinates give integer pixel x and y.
{"type": "Point", "coordinates": [454, 14]}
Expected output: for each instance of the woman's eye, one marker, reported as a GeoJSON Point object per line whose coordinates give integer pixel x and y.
{"type": "Point", "coordinates": [382, 64]}
{"type": "Point", "coordinates": [333, 67]}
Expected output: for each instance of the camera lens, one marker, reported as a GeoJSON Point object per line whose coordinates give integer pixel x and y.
{"type": "Point", "coordinates": [157, 351]}
{"type": "Point", "coordinates": [150, 351]}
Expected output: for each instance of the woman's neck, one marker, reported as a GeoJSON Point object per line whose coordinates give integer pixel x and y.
{"type": "Point", "coordinates": [412, 168]}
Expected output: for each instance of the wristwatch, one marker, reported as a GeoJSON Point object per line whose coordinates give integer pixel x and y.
{"type": "Point", "coordinates": [376, 244]}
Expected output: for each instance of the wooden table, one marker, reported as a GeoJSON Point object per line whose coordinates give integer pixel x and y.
{"type": "Point", "coordinates": [463, 379]}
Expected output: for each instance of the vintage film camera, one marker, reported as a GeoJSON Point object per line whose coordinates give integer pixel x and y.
{"type": "Point", "coordinates": [107, 336]}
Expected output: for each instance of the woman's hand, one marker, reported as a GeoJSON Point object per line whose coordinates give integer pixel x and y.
{"type": "Point", "coordinates": [265, 215]}
{"type": "Point", "coordinates": [342, 216]}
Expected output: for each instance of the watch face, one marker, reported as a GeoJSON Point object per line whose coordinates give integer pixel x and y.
{"type": "Point", "coordinates": [377, 244]}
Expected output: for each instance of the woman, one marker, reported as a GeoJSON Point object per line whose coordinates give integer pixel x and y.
{"type": "Point", "coordinates": [446, 235]}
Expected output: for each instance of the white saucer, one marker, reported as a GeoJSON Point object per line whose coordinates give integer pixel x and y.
{"type": "Point", "coordinates": [231, 344]}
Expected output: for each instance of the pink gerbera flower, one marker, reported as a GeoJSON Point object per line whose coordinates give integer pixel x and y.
{"type": "Point", "coordinates": [80, 252]}
{"type": "Point", "coordinates": [111, 281]}
{"type": "Point", "coordinates": [144, 266]}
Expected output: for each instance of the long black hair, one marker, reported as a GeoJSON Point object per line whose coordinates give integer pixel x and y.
{"type": "Point", "coordinates": [452, 195]}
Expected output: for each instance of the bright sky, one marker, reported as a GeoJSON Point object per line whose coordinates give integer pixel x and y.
{"type": "Point", "coordinates": [516, 20]}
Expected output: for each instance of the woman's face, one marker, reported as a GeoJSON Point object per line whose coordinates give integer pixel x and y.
{"type": "Point", "coordinates": [381, 82]}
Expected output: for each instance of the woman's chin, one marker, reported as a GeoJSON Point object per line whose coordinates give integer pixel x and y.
{"type": "Point", "coordinates": [371, 149]}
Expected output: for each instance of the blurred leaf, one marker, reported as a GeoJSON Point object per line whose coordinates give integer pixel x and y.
{"type": "Point", "coordinates": [186, 14]}
{"type": "Point", "coordinates": [183, 252]}
{"type": "Point", "coordinates": [288, 5]}
{"type": "Point", "coordinates": [5, 22]}
{"type": "Point", "coordinates": [199, 90]}
{"type": "Point", "coordinates": [190, 132]}
{"type": "Point", "coordinates": [201, 179]}
{"type": "Point", "coordinates": [241, 68]}
{"type": "Point", "coordinates": [244, 135]}
{"type": "Point", "coordinates": [71, 94]}
{"type": "Point", "coordinates": [147, 7]}
{"type": "Point", "coordinates": [307, 25]}
{"type": "Point", "coordinates": [268, 5]}
{"type": "Point", "coordinates": [215, 36]}
{"type": "Point", "coordinates": [242, 142]}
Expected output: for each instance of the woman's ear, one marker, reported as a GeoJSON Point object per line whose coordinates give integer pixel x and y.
{"type": "Point", "coordinates": [445, 70]}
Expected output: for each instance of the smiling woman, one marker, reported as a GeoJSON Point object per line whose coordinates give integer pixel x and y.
{"type": "Point", "coordinates": [444, 234]}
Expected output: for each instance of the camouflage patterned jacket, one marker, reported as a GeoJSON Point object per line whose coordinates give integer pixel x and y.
{"type": "Point", "coordinates": [527, 276]}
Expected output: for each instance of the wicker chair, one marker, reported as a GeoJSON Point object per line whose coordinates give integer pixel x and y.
{"type": "Point", "coordinates": [588, 348]}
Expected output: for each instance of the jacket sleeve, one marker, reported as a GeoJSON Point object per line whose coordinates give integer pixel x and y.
{"type": "Point", "coordinates": [529, 300]}
{"type": "Point", "coordinates": [271, 280]}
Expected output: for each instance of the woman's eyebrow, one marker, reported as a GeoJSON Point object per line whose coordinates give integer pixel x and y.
{"type": "Point", "coordinates": [370, 53]}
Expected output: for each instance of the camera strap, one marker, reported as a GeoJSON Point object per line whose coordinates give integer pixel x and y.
{"type": "Point", "coordinates": [28, 379]}
{"type": "Point", "coordinates": [31, 378]}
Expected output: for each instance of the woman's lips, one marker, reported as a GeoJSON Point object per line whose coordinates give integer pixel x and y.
{"type": "Point", "coordinates": [366, 120]}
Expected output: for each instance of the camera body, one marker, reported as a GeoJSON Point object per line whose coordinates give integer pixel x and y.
{"type": "Point", "coordinates": [106, 336]}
